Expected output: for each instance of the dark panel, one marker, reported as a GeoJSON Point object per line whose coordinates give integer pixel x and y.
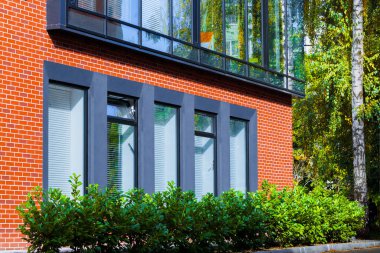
{"type": "Point", "coordinates": [145, 146]}
{"type": "Point", "coordinates": [187, 164]}
{"type": "Point", "coordinates": [223, 148]}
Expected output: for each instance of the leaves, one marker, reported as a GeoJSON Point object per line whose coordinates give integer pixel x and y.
{"type": "Point", "coordinates": [104, 220]}
{"type": "Point", "coordinates": [323, 119]}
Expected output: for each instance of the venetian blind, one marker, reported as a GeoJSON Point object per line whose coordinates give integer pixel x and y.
{"type": "Point", "coordinates": [165, 146]}
{"type": "Point", "coordinates": [155, 15]}
{"type": "Point", "coordinates": [65, 136]}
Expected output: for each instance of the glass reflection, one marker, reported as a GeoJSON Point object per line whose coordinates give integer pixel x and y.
{"type": "Point", "coordinates": [254, 32]}
{"type": "Point", "coordinates": [204, 166]}
{"type": "Point", "coordinates": [276, 35]}
{"type": "Point", "coordinates": [124, 10]}
{"type": "Point", "coordinates": [295, 40]}
{"type": "Point", "coordinates": [204, 123]}
{"type": "Point", "coordinates": [155, 15]}
{"type": "Point", "coordinates": [182, 19]}
{"type": "Point", "coordinates": [238, 155]}
{"type": "Point", "coordinates": [121, 156]}
{"type": "Point", "coordinates": [165, 146]}
{"type": "Point", "coordinates": [212, 24]}
{"type": "Point", "coordinates": [235, 28]}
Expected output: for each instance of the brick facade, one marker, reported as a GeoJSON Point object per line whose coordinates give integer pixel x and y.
{"type": "Point", "coordinates": [25, 45]}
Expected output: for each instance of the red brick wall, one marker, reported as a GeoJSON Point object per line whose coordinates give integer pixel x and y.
{"type": "Point", "coordinates": [25, 44]}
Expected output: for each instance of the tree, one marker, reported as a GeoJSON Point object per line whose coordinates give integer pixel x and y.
{"type": "Point", "coordinates": [323, 119]}
{"type": "Point", "coordinates": [357, 73]}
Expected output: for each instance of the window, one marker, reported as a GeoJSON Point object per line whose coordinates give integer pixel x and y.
{"type": "Point", "coordinates": [121, 159]}
{"type": "Point", "coordinates": [258, 40]}
{"type": "Point", "coordinates": [165, 146]}
{"type": "Point", "coordinates": [205, 148]}
{"type": "Point", "coordinates": [238, 155]}
{"type": "Point", "coordinates": [276, 34]}
{"type": "Point", "coordinates": [295, 24]}
{"type": "Point", "coordinates": [212, 25]}
{"type": "Point", "coordinates": [254, 32]}
{"type": "Point", "coordinates": [126, 11]}
{"type": "Point", "coordinates": [138, 135]}
{"type": "Point", "coordinates": [182, 20]}
{"type": "Point", "coordinates": [66, 138]}
{"type": "Point", "coordinates": [235, 28]}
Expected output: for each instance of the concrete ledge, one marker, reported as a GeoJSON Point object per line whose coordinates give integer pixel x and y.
{"type": "Point", "coordinates": [326, 247]}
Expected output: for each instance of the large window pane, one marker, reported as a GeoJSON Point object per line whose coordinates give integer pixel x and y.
{"type": "Point", "coordinates": [276, 35]}
{"type": "Point", "coordinates": [182, 19]}
{"type": "Point", "coordinates": [65, 136]}
{"type": "Point", "coordinates": [204, 125]}
{"type": "Point", "coordinates": [121, 159]}
{"type": "Point", "coordinates": [121, 156]}
{"type": "Point", "coordinates": [212, 24]}
{"type": "Point", "coordinates": [235, 28]}
{"type": "Point", "coordinates": [254, 32]}
{"type": "Point", "coordinates": [125, 10]}
{"type": "Point", "coordinates": [155, 15]}
{"type": "Point", "coordinates": [238, 155]}
{"type": "Point", "coordinates": [165, 146]}
{"type": "Point", "coordinates": [295, 40]}
{"type": "Point", "coordinates": [204, 166]}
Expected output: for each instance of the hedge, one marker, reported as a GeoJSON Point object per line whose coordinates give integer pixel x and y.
{"type": "Point", "coordinates": [175, 221]}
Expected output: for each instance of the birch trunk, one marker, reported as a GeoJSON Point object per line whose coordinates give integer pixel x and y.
{"type": "Point", "coordinates": [360, 179]}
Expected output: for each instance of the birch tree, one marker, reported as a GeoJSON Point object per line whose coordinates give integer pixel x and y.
{"type": "Point", "coordinates": [357, 73]}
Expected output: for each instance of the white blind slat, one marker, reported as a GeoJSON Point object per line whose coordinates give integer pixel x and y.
{"type": "Point", "coordinates": [65, 136]}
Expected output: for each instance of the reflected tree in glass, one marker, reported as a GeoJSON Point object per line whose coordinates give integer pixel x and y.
{"type": "Point", "coordinates": [182, 29]}
{"type": "Point", "coordinates": [254, 32]}
{"type": "Point", "coordinates": [182, 20]}
{"type": "Point", "coordinates": [295, 40]}
{"type": "Point", "coordinates": [212, 25]}
{"type": "Point", "coordinates": [276, 35]}
{"type": "Point", "coordinates": [235, 28]}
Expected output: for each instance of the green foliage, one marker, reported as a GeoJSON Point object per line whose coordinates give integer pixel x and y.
{"type": "Point", "coordinates": [296, 216]}
{"type": "Point", "coordinates": [323, 119]}
{"type": "Point", "coordinates": [175, 221]}
{"type": "Point", "coordinates": [45, 222]}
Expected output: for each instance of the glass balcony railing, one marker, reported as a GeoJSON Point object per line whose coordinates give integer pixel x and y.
{"type": "Point", "coordinates": [231, 39]}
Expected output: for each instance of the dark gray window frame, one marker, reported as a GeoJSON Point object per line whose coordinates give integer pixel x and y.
{"type": "Point", "coordinates": [128, 122]}
{"type": "Point", "coordinates": [213, 135]}
{"type": "Point", "coordinates": [98, 86]}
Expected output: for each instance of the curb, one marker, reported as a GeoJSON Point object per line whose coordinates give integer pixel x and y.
{"type": "Point", "coordinates": [307, 249]}
{"type": "Point", "coordinates": [326, 247]}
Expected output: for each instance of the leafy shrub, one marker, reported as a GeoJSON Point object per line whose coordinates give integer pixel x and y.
{"type": "Point", "coordinates": [298, 217]}
{"type": "Point", "coordinates": [104, 220]}
{"type": "Point", "coordinates": [45, 222]}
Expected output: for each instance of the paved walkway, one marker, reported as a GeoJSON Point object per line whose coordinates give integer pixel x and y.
{"type": "Point", "coordinates": [359, 244]}
{"type": "Point", "coordinates": [370, 250]}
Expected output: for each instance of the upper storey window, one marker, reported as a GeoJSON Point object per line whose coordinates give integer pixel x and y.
{"type": "Point", "coordinates": [260, 41]}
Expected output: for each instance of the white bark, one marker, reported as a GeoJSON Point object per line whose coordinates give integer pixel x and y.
{"type": "Point", "coordinates": [360, 178]}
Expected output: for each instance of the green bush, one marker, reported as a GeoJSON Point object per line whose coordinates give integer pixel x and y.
{"type": "Point", "coordinates": [104, 220]}
{"type": "Point", "coordinates": [298, 217]}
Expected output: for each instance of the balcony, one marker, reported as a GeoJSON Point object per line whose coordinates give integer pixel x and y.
{"type": "Point", "coordinates": [257, 41]}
